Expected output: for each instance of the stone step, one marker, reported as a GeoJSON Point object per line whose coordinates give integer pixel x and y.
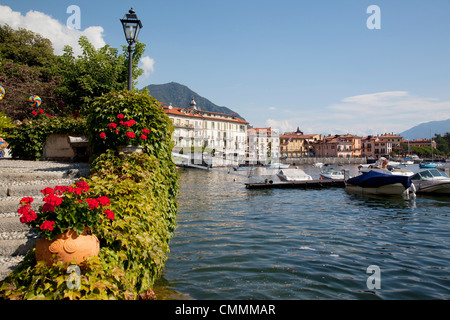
{"type": "Point", "coordinates": [10, 205]}
{"type": "Point", "coordinates": [31, 188]}
{"type": "Point", "coordinates": [16, 243]}
{"type": "Point", "coordinates": [8, 264]}
{"type": "Point", "coordinates": [12, 224]}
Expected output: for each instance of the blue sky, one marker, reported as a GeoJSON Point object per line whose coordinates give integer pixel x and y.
{"type": "Point", "coordinates": [312, 64]}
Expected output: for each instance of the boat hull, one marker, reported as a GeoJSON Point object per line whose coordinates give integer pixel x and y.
{"type": "Point", "coordinates": [432, 188]}
{"type": "Point", "coordinates": [389, 189]}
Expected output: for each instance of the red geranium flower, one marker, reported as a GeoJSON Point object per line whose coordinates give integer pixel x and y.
{"type": "Point", "coordinates": [93, 204]}
{"type": "Point", "coordinates": [102, 135]}
{"type": "Point", "coordinates": [143, 137]}
{"type": "Point", "coordinates": [145, 131]}
{"type": "Point", "coordinates": [130, 134]}
{"type": "Point", "coordinates": [82, 184]}
{"type": "Point", "coordinates": [28, 216]}
{"type": "Point", "coordinates": [41, 111]}
{"type": "Point", "coordinates": [26, 200]}
{"type": "Point", "coordinates": [120, 116]}
{"type": "Point", "coordinates": [53, 200]}
{"type": "Point", "coordinates": [48, 225]}
{"type": "Point", "coordinates": [34, 113]}
{"type": "Point", "coordinates": [47, 191]}
{"type": "Point", "coordinates": [109, 214]}
{"type": "Point", "coordinates": [104, 201]}
{"type": "Point", "coordinates": [48, 207]}
{"type": "Point", "coordinates": [112, 125]}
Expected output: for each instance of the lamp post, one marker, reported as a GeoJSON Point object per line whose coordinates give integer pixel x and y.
{"type": "Point", "coordinates": [131, 27]}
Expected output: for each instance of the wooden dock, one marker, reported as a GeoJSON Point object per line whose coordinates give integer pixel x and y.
{"type": "Point", "coordinates": [307, 184]}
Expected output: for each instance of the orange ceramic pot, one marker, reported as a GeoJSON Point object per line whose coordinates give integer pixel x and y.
{"type": "Point", "coordinates": [68, 246]}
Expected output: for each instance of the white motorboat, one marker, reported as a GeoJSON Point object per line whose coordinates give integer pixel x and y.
{"type": "Point", "coordinates": [277, 165]}
{"type": "Point", "coordinates": [293, 174]}
{"type": "Point", "coordinates": [431, 181]}
{"type": "Point", "coordinates": [333, 174]}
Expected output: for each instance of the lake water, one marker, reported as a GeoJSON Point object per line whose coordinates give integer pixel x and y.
{"type": "Point", "coordinates": [235, 243]}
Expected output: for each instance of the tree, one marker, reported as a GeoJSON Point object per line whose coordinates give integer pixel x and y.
{"type": "Point", "coordinates": [95, 72]}
{"type": "Point", "coordinates": [27, 67]}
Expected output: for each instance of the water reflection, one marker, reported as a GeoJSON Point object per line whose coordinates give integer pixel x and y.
{"type": "Point", "coordinates": [234, 243]}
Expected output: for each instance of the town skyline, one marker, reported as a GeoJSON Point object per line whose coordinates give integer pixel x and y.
{"type": "Point", "coordinates": [333, 67]}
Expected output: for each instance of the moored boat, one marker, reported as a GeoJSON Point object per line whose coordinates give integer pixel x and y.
{"type": "Point", "coordinates": [431, 181]}
{"type": "Point", "coordinates": [293, 174]}
{"type": "Point", "coordinates": [332, 173]}
{"type": "Point", "coordinates": [375, 182]}
{"type": "Point", "coordinates": [277, 165]}
{"type": "Point", "coordinates": [428, 165]}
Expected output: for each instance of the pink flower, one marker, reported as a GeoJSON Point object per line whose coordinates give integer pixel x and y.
{"type": "Point", "coordinates": [102, 135]}
{"type": "Point", "coordinates": [145, 131]}
{"type": "Point", "coordinates": [130, 134]}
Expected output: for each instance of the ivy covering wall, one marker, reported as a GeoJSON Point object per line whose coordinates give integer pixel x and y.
{"type": "Point", "coordinates": [134, 247]}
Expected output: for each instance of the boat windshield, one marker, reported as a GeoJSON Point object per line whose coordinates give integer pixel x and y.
{"type": "Point", "coordinates": [437, 173]}
{"type": "Point", "coordinates": [428, 174]}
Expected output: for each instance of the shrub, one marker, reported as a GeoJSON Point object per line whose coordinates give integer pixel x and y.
{"type": "Point", "coordinates": [27, 140]}
{"type": "Point", "coordinates": [143, 110]}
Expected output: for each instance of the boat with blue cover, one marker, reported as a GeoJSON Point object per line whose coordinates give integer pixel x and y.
{"type": "Point", "coordinates": [375, 182]}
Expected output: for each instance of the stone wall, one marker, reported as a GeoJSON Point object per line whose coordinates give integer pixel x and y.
{"type": "Point", "coordinates": [330, 160]}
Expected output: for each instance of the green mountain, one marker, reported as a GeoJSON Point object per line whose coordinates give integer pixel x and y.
{"type": "Point", "coordinates": [180, 96]}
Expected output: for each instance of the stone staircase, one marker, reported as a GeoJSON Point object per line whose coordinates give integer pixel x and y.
{"type": "Point", "coordinates": [18, 179]}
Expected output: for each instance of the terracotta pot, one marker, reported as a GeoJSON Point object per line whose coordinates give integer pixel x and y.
{"type": "Point", "coordinates": [68, 246]}
{"type": "Point", "coordinates": [128, 150]}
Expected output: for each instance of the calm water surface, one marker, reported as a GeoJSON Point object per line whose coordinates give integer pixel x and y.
{"type": "Point", "coordinates": [234, 243]}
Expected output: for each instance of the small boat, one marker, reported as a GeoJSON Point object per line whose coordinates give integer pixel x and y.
{"type": "Point", "coordinates": [432, 181]}
{"type": "Point", "coordinates": [332, 173]}
{"type": "Point", "coordinates": [428, 165]}
{"type": "Point", "coordinates": [375, 182]}
{"type": "Point", "coordinates": [277, 165]}
{"type": "Point", "coordinates": [293, 174]}
{"type": "Point", "coordinates": [382, 165]}
{"type": "Point", "coordinates": [243, 167]}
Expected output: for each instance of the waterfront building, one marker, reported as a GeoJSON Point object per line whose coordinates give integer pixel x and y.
{"type": "Point", "coordinates": [263, 144]}
{"type": "Point", "coordinates": [379, 146]}
{"type": "Point", "coordinates": [340, 146]}
{"type": "Point", "coordinates": [421, 143]}
{"type": "Point", "coordinates": [198, 132]}
{"type": "Point", "coordinates": [296, 144]}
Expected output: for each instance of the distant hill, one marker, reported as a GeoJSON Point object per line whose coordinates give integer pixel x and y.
{"type": "Point", "coordinates": [423, 130]}
{"type": "Point", "coordinates": [180, 96]}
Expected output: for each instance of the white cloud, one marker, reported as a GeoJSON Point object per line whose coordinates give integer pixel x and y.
{"type": "Point", "coordinates": [272, 108]}
{"type": "Point", "coordinates": [376, 113]}
{"type": "Point", "coordinates": [148, 65]}
{"type": "Point", "coordinates": [50, 28]}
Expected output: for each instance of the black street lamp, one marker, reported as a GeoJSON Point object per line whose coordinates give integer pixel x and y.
{"type": "Point", "coordinates": [131, 26]}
